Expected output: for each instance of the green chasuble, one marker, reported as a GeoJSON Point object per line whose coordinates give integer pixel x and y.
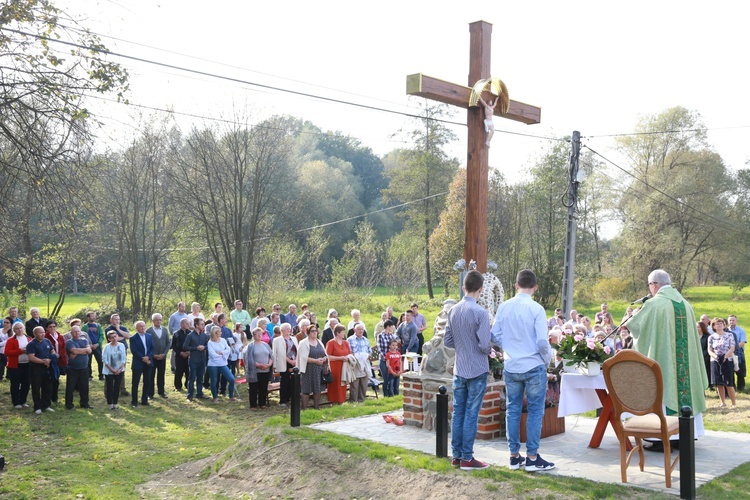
{"type": "Point", "coordinates": [665, 331]}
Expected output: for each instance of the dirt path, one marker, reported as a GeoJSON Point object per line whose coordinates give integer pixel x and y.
{"type": "Point", "coordinates": [269, 465]}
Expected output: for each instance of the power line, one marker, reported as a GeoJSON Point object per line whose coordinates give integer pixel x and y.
{"type": "Point", "coordinates": [259, 85]}
{"type": "Point", "coordinates": [660, 132]}
{"type": "Point", "coordinates": [723, 223]}
{"type": "Point", "coordinates": [307, 229]}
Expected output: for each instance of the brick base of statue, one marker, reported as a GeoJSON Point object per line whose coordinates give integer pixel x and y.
{"type": "Point", "coordinates": [420, 404]}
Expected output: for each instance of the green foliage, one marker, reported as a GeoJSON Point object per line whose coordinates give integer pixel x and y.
{"type": "Point", "coordinates": [612, 289]}
{"type": "Point", "coordinates": [277, 269]}
{"type": "Point", "coordinates": [403, 271]}
{"type": "Point", "coordinates": [192, 273]}
{"type": "Point", "coordinates": [670, 153]}
{"type": "Point", "coordinates": [361, 265]}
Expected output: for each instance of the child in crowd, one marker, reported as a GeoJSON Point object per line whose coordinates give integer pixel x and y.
{"type": "Point", "coordinates": [393, 363]}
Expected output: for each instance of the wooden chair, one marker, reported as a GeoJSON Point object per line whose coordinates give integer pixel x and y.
{"type": "Point", "coordinates": [636, 386]}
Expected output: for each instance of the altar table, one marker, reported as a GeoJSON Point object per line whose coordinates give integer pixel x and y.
{"type": "Point", "coordinates": [581, 393]}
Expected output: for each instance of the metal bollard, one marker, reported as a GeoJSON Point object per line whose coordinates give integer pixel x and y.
{"type": "Point", "coordinates": [296, 390]}
{"type": "Point", "coordinates": [441, 423]}
{"type": "Point", "coordinates": [687, 453]}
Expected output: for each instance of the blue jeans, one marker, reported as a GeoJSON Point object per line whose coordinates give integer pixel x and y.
{"type": "Point", "coordinates": [387, 377]}
{"type": "Point", "coordinates": [534, 383]}
{"type": "Point", "coordinates": [197, 371]}
{"type": "Point", "coordinates": [213, 374]}
{"type": "Point", "coordinates": [468, 394]}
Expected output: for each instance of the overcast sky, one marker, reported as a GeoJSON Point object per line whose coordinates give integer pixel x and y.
{"type": "Point", "coordinates": [595, 67]}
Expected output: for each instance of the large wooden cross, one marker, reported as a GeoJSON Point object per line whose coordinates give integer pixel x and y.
{"type": "Point", "coordinates": [477, 181]}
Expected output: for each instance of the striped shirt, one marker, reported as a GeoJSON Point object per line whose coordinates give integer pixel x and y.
{"type": "Point", "coordinates": [358, 345]}
{"type": "Point", "coordinates": [468, 332]}
{"type": "Point", "coordinates": [384, 339]}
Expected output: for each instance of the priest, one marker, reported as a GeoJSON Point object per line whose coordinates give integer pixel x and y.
{"type": "Point", "coordinates": [664, 329]}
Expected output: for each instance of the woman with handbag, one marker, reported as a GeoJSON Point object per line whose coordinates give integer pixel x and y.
{"type": "Point", "coordinates": [312, 357]}
{"type": "Point", "coordinates": [721, 349]}
{"type": "Point", "coordinates": [258, 360]}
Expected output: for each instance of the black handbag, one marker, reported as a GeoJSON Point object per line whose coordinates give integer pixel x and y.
{"type": "Point", "coordinates": [326, 377]}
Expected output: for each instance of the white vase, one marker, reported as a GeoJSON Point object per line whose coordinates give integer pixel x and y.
{"type": "Point", "coordinates": [593, 368]}
{"type": "Point", "coordinates": [570, 368]}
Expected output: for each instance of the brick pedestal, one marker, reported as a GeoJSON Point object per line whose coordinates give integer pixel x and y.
{"type": "Point", "coordinates": [420, 405]}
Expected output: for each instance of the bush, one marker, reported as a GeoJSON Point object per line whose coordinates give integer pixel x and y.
{"type": "Point", "coordinates": [611, 289]}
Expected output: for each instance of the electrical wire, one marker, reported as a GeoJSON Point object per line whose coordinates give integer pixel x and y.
{"type": "Point", "coordinates": [659, 132]}
{"type": "Point", "coordinates": [680, 202]}
{"type": "Point", "coordinates": [259, 85]}
{"type": "Point", "coordinates": [307, 229]}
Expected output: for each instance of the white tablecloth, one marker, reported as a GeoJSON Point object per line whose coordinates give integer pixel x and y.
{"type": "Point", "coordinates": [578, 393]}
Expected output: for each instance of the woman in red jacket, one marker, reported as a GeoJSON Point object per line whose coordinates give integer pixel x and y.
{"type": "Point", "coordinates": [18, 366]}
{"type": "Point", "coordinates": [58, 341]}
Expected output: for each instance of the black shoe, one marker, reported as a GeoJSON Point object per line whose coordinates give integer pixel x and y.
{"type": "Point", "coordinates": [87, 407]}
{"type": "Point", "coordinates": [145, 403]}
{"type": "Point", "coordinates": [69, 407]}
{"type": "Point", "coordinates": [201, 396]}
{"type": "Point", "coordinates": [163, 396]}
{"type": "Point", "coordinates": [101, 377]}
{"type": "Point", "coordinates": [134, 405]}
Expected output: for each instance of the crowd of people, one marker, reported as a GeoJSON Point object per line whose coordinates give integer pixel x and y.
{"type": "Point", "coordinates": [722, 344]}
{"type": "Point", "coordinates": [194, 354]}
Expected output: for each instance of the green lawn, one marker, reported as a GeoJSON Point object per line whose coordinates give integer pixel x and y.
{"type": "Point", "coordinates": [103, 454]}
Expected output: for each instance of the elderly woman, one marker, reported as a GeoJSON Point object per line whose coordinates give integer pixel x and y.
{"type": "Point", "coordinates": [312, 357]}
{"type": "Point", "coordinates": [303, 325]}
{"type": "Point", "coordinates": [360, 347]}
{"type": "Point", "coordinates": [218, 361]}
{"type": "Point", "coordinates": [721, 349]}
{"type": "Point", "coordinates": [356, 319]}
{"type": "Point", "coordinates": [18, 366]}
{"type": "Point", "coordinates": [285, 354]}
{"type": "Point", "coordinates": [263, 324]}
{"type": "Point", "coordinates": [114, 358]}
{"type": "Point", "coordinates": [338, 351]}
{"type": "Point", "coordinates": [380, 326]}
{"type": "Point", "coordinates": [258, 366]}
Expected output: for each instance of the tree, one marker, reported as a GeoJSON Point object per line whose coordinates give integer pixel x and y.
{"type": "Point", "coordinates": [361, 265]}
{"type": "Point", "coordinates": [43, 122]}
{"type": "Point", "coordinates": [228, 181]}
{"type": "Point", "coordinates": [423, 172]}
{"type": "Point", "coordinates": [447, 240]}
{"type": "Point", "coordinates": [672, 210]}
{"type": "Point", "coordinates": [138, 216]}
{"type": "Point", "coordinates": [366, 165]}
{"type": "Point", "coordinates": [44, 80]}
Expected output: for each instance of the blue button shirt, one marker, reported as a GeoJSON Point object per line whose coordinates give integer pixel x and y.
{"type": "Point", "coordinates": [520, 328]}
{"type": "Point", "coordinates": [468, 332]}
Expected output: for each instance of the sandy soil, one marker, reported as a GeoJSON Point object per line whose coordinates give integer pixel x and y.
{"type": "Point", "coordinates": [268, 465]}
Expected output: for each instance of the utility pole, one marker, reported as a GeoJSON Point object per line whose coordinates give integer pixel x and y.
{"type": "Point", "coordinates": [570, 234]}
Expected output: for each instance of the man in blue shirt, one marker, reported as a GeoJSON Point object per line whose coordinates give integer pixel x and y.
{"type": "Point", "coordinates": [41, 351]}
{"type": "Point", "coordinates": [740, 338]}
{"type": "Point", "coordinates": [520, 329]}
{"type": "Point", "coordinates": [79, 355]}
{"type": "Point", "coordinates": [468, 332]}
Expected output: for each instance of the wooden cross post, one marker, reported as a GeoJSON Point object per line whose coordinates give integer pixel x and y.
{"type": "Point", "coordinates": [477, 179]}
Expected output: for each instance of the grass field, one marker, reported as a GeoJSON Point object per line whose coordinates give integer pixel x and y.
{"type": "Point", "coordinates": [103, 454]}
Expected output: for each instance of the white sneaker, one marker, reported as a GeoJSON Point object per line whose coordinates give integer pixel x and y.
{"type": "Point", "coordinates": [49, 410]}
{"type": "Point", "coordinates": [38, 412]}
{"type": "Point", "coordinates": [18, 407]}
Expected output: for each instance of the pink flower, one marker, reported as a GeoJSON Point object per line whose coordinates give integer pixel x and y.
{"type": "Point", "coordinates": [607, 350]}
{"type": "Point", "coordinates": [578, 337]}
{"type": "Point", "coordinates": [568, 331]}
{"type": "Point", "coordinates": [590, 344]}
{"type": "Point", "coordinates": [492, 354]}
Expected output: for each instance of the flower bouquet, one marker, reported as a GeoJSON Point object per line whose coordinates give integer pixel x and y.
{"type": "Point", "coordinates": [578, 350]}
{"type": "Point", "coordinates": [496, 362]}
